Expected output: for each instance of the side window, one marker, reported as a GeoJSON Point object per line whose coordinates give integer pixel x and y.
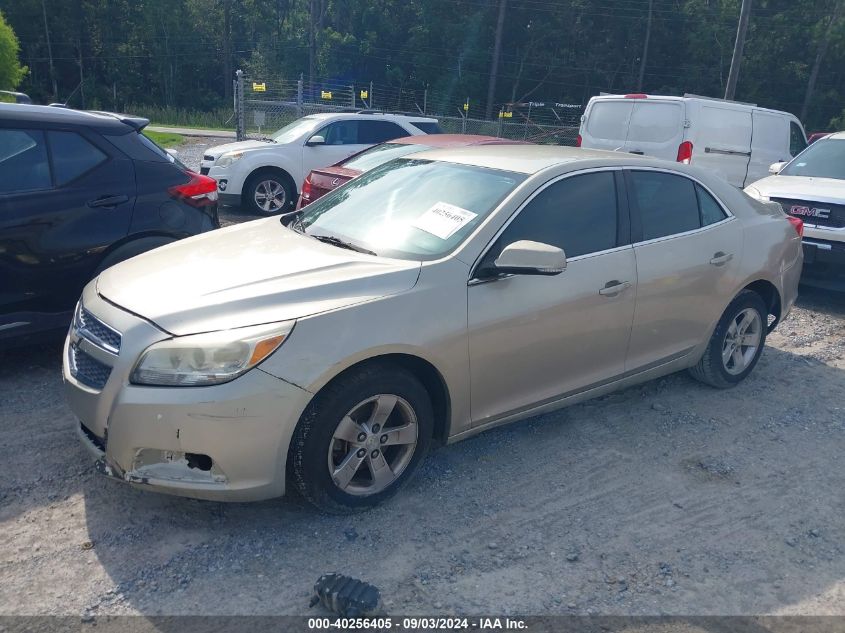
{"type": "Point", "coordinates": [710, 210]}
{"type": "Point", "coordinates": [372, 132]}
{"type": "Point", "coordinates": [577, 214]}
{"type": "Point", "coordinates": [72, 156]}
{"type": "Point", "coordinates": [24, 165]}
{"type": "Point", "coordinates": [340, 133]}
{"type": "Point", "coordinates": [797, 142]}
{"type": "Point", "coordinates": [667, 203]}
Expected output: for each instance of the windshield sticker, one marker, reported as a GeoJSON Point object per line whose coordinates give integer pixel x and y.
{"type": "Point", "coordinates": [443, 220]}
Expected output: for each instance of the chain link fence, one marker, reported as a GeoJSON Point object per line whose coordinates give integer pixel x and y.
{"type": "Point", "coordinates": [263, 106]}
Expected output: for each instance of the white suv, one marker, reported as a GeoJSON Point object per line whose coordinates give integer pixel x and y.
{"type": "Point", "coordinates": [263, 176]}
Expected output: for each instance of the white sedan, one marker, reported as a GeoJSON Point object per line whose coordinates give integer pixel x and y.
{"type": "Point", "coordinates": [812, 187]}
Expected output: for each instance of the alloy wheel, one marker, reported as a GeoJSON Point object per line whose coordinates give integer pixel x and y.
{"type": "Point", "coordinates": [270, 196]}
{"type": "Point", "coordinates": [742, 340]}
{"type": "Point", "coordinates": [373, 444]}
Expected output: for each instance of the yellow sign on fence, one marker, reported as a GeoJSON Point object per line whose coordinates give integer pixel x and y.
{"type": "Point", "coordinates": [326, 94]}
{"type": "Point", "coordinates": [505, 115]}
{"type": "Point", "coordinates": [259, 87]}
{"type": "Point", "coordinates": [466, 107]}
{"type": "Point", "coordinates": [365, 94]}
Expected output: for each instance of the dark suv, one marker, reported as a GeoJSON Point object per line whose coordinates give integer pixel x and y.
{"type": "Point", "coordinates": [79, 192]}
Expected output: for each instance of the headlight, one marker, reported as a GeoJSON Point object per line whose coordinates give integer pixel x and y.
{"type": "Point", "coordinates": [227, 159]}
{"type": "Point", "coordinates": [755, 193]}
{"type": "Point", "coordinates": [208, 359]}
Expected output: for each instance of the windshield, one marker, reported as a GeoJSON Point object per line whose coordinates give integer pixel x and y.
{"type": "Point", "coordinates": [294, 130]}
{"type": "Point", "coordinates": [823, 159]}
{"type": "Point", "coordinates": [410, 209]}
{"type": "Point", "coordinates": [380, 154]}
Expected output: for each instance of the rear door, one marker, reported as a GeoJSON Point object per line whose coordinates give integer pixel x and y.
{"type": "Point", "coordinates": [769, 143]}
{"type": "Point", "coordinates": [722, 141]}
{"type": "Point", "coordinates": [606, 124]}
{"type": "Point", "coordinates": [64, 199]}
{"type": "Point", "coordinates": [656, 128]}
{"type": "Point", "coordinates": [688, 250]}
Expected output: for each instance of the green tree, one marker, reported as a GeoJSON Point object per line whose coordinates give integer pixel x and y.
{"type": "Point", "coordinates": [11, 70]}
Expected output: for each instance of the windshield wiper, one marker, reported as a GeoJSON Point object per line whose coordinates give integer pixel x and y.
{"type": "Point", "coordinates": [336, 241]}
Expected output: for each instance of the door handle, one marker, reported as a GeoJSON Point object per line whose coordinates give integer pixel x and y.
{"type": "Point", "coordinates": [720, 258]}
{"type": "Point", "coordinates": [638, 152]}
{"type": "Point", "coordinates": [613, 288]}
{"type": "Point", "coordinates": [107, 201]}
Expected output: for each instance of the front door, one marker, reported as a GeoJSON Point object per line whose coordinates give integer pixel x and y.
{"type": "Point", "coordinates": [341, 139]}
{"type": "Point", "coordinates": [535, 338]}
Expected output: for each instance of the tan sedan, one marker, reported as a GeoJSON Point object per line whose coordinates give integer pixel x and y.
{"type": "Point", "coordinates": [428, 300]}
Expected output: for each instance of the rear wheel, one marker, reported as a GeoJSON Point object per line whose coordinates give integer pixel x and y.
{"type": "Point", "coordinates": [267, 193]}
{"type": "Point", "coordinates": [736, 344]}
{"type": "Point", "coordinates": [361, 439]}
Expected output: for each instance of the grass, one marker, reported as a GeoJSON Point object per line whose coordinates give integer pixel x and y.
{"type": "Point", "coordinates": [165, 139]}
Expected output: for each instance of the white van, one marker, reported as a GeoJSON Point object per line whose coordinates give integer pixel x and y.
{"type": "Point", "coordinates": [738, 140]}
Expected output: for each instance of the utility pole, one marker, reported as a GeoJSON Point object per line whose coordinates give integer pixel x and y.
{"type": "Point", "coordinates": [744, 14]}
{"type": "Point", "coordinates": [814, 74]}
{"type": "Point", "coordinates": [50, 53]}
{"type": "Point", "coordinates": [645, 47]}
{"type": "Point", "coordinates": [494, 68]}
{"type": "Point", "coordinates": [227, 49]}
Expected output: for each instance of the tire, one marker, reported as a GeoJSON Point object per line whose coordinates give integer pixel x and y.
{"type": "Point", "coordinates": [747, 311]}
{"type": "Point", "coordinates": [358, 396]}
{"type": "Point", "coordinates": [264, 182]}
{"type": "Point", "coordinates": [131, 249]}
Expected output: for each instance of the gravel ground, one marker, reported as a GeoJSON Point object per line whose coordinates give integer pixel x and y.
{"type": "Point", "coordinates": [667, 498]}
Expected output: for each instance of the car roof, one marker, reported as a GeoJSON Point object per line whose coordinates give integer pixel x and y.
{"type": "Point", "coordinates": [527, 159]}
{"type": "Point", "coordinates": [362, 115]}
{"type": "Point", "coordinates": [101, 121]}
{"type": "Point", "coordinates": [837, 135]}
{"type": "Point", "coordinates": [455, 140]}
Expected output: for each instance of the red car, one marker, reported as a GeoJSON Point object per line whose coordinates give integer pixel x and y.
{"type": "Point", "coordinates": [815, 136]}
{"type": "Point", "coordinates": [321, 181]}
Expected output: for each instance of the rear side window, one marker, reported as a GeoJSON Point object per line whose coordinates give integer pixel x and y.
{"type": "Point", "coordinates": [667, 203]}
{"type": "Point", "coordinates": [372, 132]}
{"type": "Point", "coordinates": [429, 127]}
{"type": "Point", "coordinates": [655, 122]}
{"type": "Point", "coordinates": [709, 209]}
{"type": "Point", "coordinates": [24, 165]}
{"type": "Point", "coordinates": [609, 120]}
{"type": "Point", "coordinates": [73, 156]}
{"type": "Point", "coordinates": [577, 214]}
{"type": "Point", "coordinates": [797, 142]}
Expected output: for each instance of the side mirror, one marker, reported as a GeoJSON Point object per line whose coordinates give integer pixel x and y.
{"type": "Point", "coordinates": [174, 153]}
{"type": "Point", "coordinates": [530, 258]}
{"type": "Point", "coordinates": [775, 168]}
{"type": "Point", "coordinates": [316, 140]}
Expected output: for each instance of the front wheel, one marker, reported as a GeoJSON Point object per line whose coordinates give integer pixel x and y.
{"type": "Point", "coordinates": [361, 439]}
{"type": "Point", "coordinates": [267, 193]}
{"type": "Point", "coordinates": [736, 344]}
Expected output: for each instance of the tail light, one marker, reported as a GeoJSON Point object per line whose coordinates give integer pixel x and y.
{"type": "Point", "coordinates": [199, 191]}
{"type": "Point", "coordinates": [797, 224]}
{"type": "Point", "coordinates": [306, 190]}
{"type": "Point", "coordinates": [578, 141]}
{"type": "Point", "coordinates": [685, 152]}
{"type": "Point", "coordinates": [637, 95]}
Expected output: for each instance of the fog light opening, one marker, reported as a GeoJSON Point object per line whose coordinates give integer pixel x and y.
{"type": "Point", "coordinates": [198, 461]}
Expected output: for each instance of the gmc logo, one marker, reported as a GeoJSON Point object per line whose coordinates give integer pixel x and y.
{"type": "Point", "coordinates": [809, 212]}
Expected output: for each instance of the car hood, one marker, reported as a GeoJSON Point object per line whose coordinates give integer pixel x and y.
{"type": "Point", "coordinates": [218, 150]}
{"type": "Point", "coordinates": [802, 188]}
{"type": "Point", "coordinates": [249, 274]}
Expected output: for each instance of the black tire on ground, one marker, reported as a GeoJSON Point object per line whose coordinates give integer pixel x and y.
{"type": "Point", "coordinates": [131, 249]}
{"type": "Point", "coordinates": [711, 368]}
{"type": "Point", "coordinates": [268, 179]}
{"type": "Point", "coordinates": [308, 466]}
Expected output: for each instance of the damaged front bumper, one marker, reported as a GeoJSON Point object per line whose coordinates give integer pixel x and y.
{"type": "Point", "coordinates": [225, 442]}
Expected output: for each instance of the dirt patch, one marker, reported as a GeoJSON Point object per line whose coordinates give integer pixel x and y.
{"type": "Point", "coordinates": [667, 498]}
